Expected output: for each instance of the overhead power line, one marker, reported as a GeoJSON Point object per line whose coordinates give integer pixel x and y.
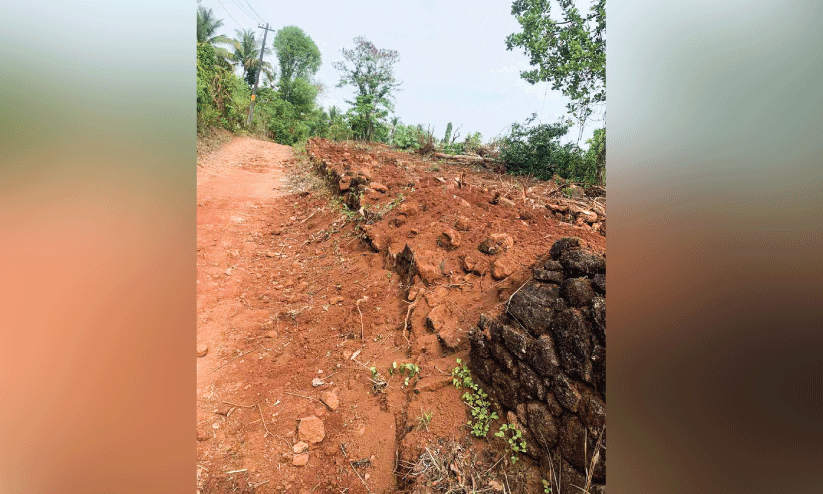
{"type": "Point", "coordinates": [228, 13]}
{"type": "Point", "coordinates": [253, 10]}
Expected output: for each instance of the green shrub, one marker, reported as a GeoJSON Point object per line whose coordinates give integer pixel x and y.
{"type": "Point", "coordinates": [407, 137]}
{"type": "Point", "coordinates": [536, 150]}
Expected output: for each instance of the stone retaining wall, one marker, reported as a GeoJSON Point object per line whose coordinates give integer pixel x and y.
{"type": "Point", "coordinates": [544, 362]}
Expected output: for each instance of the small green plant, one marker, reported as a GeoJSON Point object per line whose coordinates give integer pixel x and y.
{"type": "Point", "coordinates": [515, 440]}
{"type": "Point", "coordinates": [379, 384]}
{"type": "Point", "coordinates": [434, 168]}
{"type": "Point", "coordinates": [409, 369]}
{"type": "Point", "coordinates": [547, 488]}
{"type": "Point", "coordinates": [425, 419]}
{"type": "Point", "coordinates": [475, 398]}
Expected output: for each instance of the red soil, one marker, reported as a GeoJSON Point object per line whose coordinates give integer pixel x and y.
{"type": "Point", "coordinates": [287, 283]}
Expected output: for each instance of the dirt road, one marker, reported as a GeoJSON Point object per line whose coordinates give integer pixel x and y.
{"type": "Point", "coordinates": [301, 315]}
{"type": "Point", "coordinates": [278, 279]}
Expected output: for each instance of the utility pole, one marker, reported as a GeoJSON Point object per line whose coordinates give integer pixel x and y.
{"type": "Point", "coordinates": [259, 69]}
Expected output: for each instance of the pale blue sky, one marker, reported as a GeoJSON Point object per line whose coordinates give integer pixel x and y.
{"type": "Point", "coordinates": [453, 64]}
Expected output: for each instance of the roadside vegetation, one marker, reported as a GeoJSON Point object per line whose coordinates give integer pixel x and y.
{"type": "Point", "coordinates": [566, 48]}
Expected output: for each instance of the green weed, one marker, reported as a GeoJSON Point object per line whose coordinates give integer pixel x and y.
{"type": "Point", "coordinates": [475, 398]}
{"type": "Point", "coordinates": [515, 440]}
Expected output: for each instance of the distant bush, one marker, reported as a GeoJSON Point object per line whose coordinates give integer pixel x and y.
{"type": "Point", "coordinates": [472, 143]}
{"type": "Point", "coordinates": [536, 150]}
{"type": "Point", "coordinates": [407, 137]}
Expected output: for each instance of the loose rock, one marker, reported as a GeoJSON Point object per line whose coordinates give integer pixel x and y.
{"type": "Point", "coordinates": [380, 187]}
{"type": "Point", "coordinates": [503, 268]}
{"type": "Point", "coordinates": [462, 224]}
{"type": "Point", "coordinates": [449, 239]}
{"type": "Point", "coordinates": [331, 399]}
{"type": "Point", "coordinates": [437, 317]}
{"type": "Point", "coordinates": [311, 430]}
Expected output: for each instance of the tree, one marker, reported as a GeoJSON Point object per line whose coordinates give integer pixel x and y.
{"type": "Point", "coordinates": [247, 55]}
{"type": "Point", "coordinates": [207, 26]}
{"type": "Point", "coordinates": [395, 121]}
{"type": "Point", "coordinates": [334, 114]}
{"type": "Point", "coordinates": [298, 56]}
{"type": "Point", "coordinates": [570, 53]}
{"type": "Point", "coordinates": [372, 74]}
{"type": "Point", "coordinates": [447, 138]}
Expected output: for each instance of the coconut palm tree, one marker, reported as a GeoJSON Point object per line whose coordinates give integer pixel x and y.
{"type": "Point", "coordinates": [246, 55]}
{"type": "Point", "coordinates": [207, 26]}
{"type": "Point", "coordinates": [394, 122]}
{"type": "Point", "coordinates": [334, 114]}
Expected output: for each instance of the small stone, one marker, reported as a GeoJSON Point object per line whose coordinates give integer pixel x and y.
{"type": "Point", "coordinates": [379, 187]}
{"type": "Point", "coordinates": [365, 173]}
{"type": "Point", "coordinates": [300, 460]}
{"type": "Point", "coordinates": [408, 209]}
{"type": "Point", "coordinates": [502, 268]}
{"type": "Point", "coordinates": [453, 339]}
{"type": "Point", "coordinates": [449, 239]}
{"type": "Point", "coordinates": [496, 243]}
{"type": "Point", "coordinates": [311, 430]}
{"type": "Point", "coordinates": [462, 224]}
{"type": "Point", "coordinates": [202, 350]}
{"type": "Point", "coordinates": [413, 293]}
{"type": "Point", "coordinates": [504, 240]}
{"type": "Point", "coordinates": [378, 243]}
{"type": "Point", "coordinates": [335, 300]}
{"type": "Point", "coordinates": [488, 246]}
{"type": "Point", "coordinates": [300, 447]}
{"type": "Point", "coordinates": [331, 399]}
{"type": "Point", "coordinates": [437, 317]}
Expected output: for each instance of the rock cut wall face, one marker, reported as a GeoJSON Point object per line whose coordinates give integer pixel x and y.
{"type": "Point", "coordinates": [544, 361]}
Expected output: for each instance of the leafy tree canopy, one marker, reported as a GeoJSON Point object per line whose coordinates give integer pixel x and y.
{"type": "Point", "coordinates": [297, 54]}
{"type": "Point", "coordinates": [569, 52]}
{"type": "Point", "coordinates": [371, 71]}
